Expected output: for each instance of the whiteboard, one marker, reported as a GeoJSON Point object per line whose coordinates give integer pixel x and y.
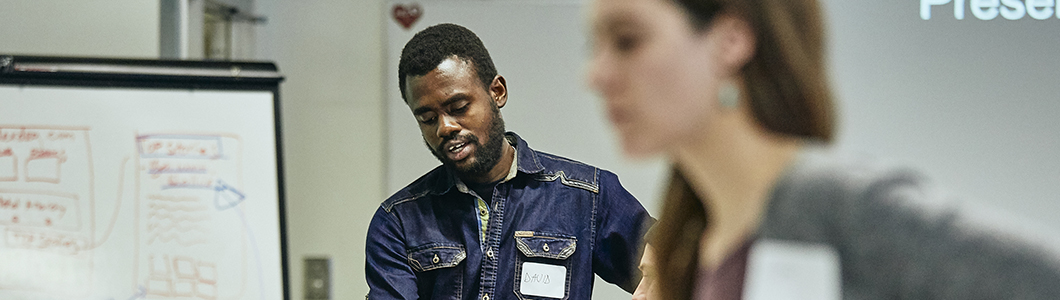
{"type": "Point", "coordinates": [128, 193]}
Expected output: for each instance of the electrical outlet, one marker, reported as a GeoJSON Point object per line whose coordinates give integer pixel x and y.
{"type": "Point", "coordinates": [317, 278]}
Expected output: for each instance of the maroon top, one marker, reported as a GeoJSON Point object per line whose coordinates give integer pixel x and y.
{"type": "Point", "coordinates": [725, 282]}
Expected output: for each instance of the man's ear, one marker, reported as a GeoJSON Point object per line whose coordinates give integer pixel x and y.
{"type": "Point", "coordinates": [736, 41]}
{"type": "Point", "coordinates": [499, 91]}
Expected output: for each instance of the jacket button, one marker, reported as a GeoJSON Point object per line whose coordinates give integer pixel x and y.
{"type": "Point", "coordinates": [435, 260]}
{"type": "Point", "coordinates": [483, 212]}
{"type": "Point", "coordinates": [545, 247]}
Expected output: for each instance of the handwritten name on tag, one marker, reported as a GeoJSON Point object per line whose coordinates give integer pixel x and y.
{"type": "Point", "coordinates": [543, 280]}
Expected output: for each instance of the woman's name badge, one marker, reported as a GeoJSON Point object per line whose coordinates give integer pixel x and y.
{"type": "Point", "coordinates": [789, 270]}
{"type": "Point", "coordinates": [543, 280]}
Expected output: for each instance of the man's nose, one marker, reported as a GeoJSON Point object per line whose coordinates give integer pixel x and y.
{"type": "Point", "coordinates": [447, 125]}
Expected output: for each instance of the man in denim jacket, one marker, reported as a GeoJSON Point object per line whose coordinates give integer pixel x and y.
{"type": "Point", "coordinates": [497, 220]}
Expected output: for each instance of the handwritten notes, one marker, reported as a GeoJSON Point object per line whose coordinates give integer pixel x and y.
{"type": "Point", "coordinates": [543, 280]}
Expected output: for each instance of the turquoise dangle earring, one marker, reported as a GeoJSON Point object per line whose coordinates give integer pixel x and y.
{"type": "Point", "coordinates": [729, 95]}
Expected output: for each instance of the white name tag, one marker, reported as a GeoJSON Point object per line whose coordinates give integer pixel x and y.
{"type": "Point", "coordinates": [543, 280]}
{"type": "Point", "coordinates": [782, 270]}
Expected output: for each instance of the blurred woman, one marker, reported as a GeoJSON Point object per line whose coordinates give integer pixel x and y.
{"type": "Point", "coordinates": [735, 94]}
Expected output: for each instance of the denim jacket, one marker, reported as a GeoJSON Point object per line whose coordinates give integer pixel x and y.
{"type": "Point", "coordinates": [547, 230]}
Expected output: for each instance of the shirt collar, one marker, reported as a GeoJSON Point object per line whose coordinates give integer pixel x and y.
{"type": "Point", "coordinates": [513, 169]}
{"type": "Point", "coordinates": [528, 162]}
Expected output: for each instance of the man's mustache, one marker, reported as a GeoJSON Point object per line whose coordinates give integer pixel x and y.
{"type": "Point", "coordinates": [466, 138]}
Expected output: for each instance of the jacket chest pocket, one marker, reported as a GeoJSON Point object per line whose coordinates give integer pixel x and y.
{"type": "Point", "coordinates": [543, 270]}
{"type": "Point", "coordinates": [436, 270]}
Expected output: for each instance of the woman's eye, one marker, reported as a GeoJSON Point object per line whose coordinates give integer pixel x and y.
{"type": "Point", "coordinates": [626, 43]}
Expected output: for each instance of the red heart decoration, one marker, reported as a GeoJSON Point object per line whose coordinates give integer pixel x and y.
{"type": "Point", "coordinates": [406, 15]}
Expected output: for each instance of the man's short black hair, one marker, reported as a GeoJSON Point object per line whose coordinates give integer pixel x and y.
{"type": "Point", "coordinates": [428, 48]}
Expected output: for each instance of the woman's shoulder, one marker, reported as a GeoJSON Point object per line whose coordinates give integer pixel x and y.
{"type": "Point", "coordinates": [827, 186]}
{"type": "Point", "coordinates": [836, 173]}
{"type": "Point", "coordinates": [891, 225]}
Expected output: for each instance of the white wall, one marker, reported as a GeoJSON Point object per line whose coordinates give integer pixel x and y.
{"type": "Point", "coordinates": [972, 103]}
{"type": "Point", "coordinates": [107, 28]}
{"type": "Point", "coordinates": [331, 54]}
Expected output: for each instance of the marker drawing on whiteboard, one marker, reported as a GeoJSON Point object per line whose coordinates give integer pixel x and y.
{"type": "Point", "coordinates": [141, 293]}
{"type": "Point", "coordinates": [117, 207]}
{"type": "Point", "coordinates": [257, 253]}
{"type": "Point", "coordinates": [187, 182]}
{"type": "Point", "coordinates": [226, 196]}
{"type": "Point", "coordinates": [8, 158]}
{"type": "Point", "coordinates": [45, 165]}
{"type": "Point", "coordinates": [180, 146]}
{"type": "Point", "coordinates": [157, 166]}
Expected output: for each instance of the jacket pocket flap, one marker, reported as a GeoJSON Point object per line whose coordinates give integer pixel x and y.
{"type": "Point", "coordinates": [436, 257]}
{"type": "Point", "coordinates": [537, 244]}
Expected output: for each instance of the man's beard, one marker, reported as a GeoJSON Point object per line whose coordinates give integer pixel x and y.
{"type": "Point", "coordinates": [486, 156]}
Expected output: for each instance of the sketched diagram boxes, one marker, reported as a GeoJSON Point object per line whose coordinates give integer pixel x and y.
{"type": "Point", "coordinates": [191, 240]}
{"type": "Point", "coordinates": [46, 209]}
{"type": "Point", "coordinates": [8, 165]}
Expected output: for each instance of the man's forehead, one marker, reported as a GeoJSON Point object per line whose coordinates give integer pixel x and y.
{"type": "Point", "coordinates": [453, 75]}
{"type": "Point", "coordinates": [454, 64]}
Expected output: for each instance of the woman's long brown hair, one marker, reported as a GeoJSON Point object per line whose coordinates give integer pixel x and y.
{"type": "Point", "coordinates": [788, 93]}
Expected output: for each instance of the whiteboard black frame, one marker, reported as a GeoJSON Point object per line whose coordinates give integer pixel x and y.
{"type": "Point", "coordinates": [19, 70]}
